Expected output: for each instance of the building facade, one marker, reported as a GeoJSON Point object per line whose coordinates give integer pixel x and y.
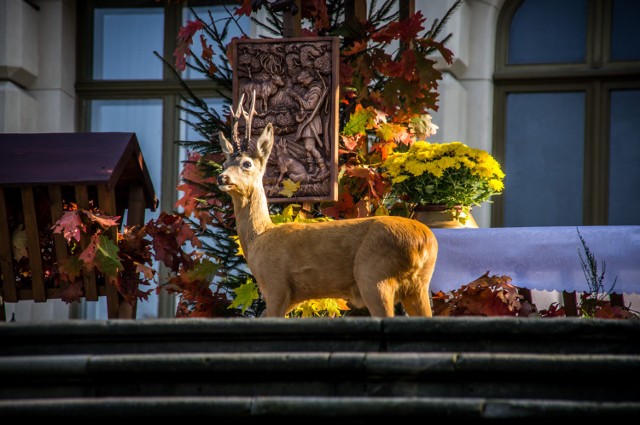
{"type": "Point", "coordinates": [551, 89]}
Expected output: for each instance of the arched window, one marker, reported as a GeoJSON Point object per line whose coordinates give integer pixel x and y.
{"type": "Point", "coordinates": [567, 112]}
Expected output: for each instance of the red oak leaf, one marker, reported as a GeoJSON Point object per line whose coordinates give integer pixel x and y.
{"type": "Point", "coordinates": [72, 292]}
{"type": "Point", "coordinates": [104, 221]}
{"type": "Point", "coordinates": [245, 8]}
{"type": "Point", "coordinates": [406, 30]}
{"type": "Point", "coordinates": [185, 39]}
{"type": "Point", "coordinates": [70, 226]}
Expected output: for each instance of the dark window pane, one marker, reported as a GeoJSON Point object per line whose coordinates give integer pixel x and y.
{"type": "Point", "coordinates": [624, 165]}
{"type": "Point", "coordinates": [124, 41]}
{"type": "Point", "coordinates": [625, 37]}
{"type": "Point", "coordinates": [548, 31]}
{"type": "Point", "coordinates": [544, 159]}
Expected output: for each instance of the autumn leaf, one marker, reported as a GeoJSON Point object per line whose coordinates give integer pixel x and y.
{"type": "Point", "coordinates": [351, 142]}
{"type": "Point", "coordinates": [185, 39]}
{"type": "Point", "coordinates": [88, 255]}
{"type": "Point", "coordinates": [70, 226]}
{"type": "Point", "coordinates": [331, 307]}
{"type": "Point", "coordinates": [335, 306]}
{"type": "Point", "coordinates": [316, 10]}
{"type": "Point", "coordinates": [70, 268]}
{"type": "Point", "coordinates": [147, 272]}
{"type": "Point", "coordinates": [357, 47]}
{"type": "Point", "coordinates": [103, 254]}
{"type": "Point", "coordinates": [359, 121]}
{"type": "Point", "coordinates": [286, 216]}
{"type": "Point", "coordinates": [405, 30]}
{"type": "Point", "coordinates": [204, 271]}
{"type": "Point", "coordinates": [19, 243]}
{"type": "Point", "coordinates": [345, 207]}
{"type": "Point", "coordinates": [236, 239]}
{"type": "Point", "coordinates": [106, 259]}
{"type": "Point", "coordinates": [405, 68]}
{"type": "Point", "coordinates": [289, 188]}
{"type": "Point", "coordinates": [245, 8]}
{"type": "Point", "coordinates": [73, 292]}
{"type": "Point", "coordinates": [104, 221]}
{"type": "Point", "coordinates": [246, 294]}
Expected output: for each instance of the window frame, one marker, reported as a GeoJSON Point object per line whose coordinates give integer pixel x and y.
{"type": "Point", "coordinates": [168, 90]}
{"type": "Point", "coordinates": [596, 77]}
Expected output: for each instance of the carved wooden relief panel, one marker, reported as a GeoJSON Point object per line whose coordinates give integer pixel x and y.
{"type": "Point", "coordinates": [296, 86]}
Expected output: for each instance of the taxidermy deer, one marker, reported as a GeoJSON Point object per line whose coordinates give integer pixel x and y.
{"type": "Point", "coordinates": [372, 261]}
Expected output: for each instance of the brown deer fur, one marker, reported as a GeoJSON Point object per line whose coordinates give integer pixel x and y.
{"type": "Point", "coordinates": [373, 262]}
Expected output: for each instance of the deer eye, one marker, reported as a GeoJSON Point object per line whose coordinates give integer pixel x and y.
{"type": "Point", "coordinates": [247, 164]}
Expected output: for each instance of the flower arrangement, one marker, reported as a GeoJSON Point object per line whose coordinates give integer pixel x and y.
{"type": "Point", "coordinates": [450, 174]}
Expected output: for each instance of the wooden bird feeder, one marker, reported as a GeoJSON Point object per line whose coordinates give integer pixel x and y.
{"type": "Point", "coordinates": [39, 173]}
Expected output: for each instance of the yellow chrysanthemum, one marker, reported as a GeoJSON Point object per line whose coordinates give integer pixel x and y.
{"type": "Point", "coordinates": [424, 164]}
{"type": "Point", "coordinates": [399, 179]}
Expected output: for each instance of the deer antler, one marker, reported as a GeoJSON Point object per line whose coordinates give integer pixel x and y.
{"type": "Point", "coordinates": [248, 117]}
{"type": "Point", "coordinates": [240, 145]}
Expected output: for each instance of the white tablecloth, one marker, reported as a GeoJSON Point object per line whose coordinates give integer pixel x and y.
{"type": "Point", "coordinates": [542, 258]}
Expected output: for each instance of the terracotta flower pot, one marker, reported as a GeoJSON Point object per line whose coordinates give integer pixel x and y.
{"type": "Point", "coordinates": [438, 217]}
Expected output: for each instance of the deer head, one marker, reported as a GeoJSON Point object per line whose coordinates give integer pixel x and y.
{"type": "Point", "coordinates": [243, 172]}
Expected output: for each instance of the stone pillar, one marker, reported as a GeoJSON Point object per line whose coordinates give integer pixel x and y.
{"type": "Point", "coordinates": [37, 78]}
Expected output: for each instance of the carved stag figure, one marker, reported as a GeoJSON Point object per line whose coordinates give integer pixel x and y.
{"type": "Point", "coordinates": [265, 86]}
{"type": "Point", "coordinates": [373, 261]}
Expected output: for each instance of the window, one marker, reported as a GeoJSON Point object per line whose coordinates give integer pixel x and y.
{"type": "Point", "coordinates": [124, 86]}
{"type": "Point", "coordinates": [567, 98]}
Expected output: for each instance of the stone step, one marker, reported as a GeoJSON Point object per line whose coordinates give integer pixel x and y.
{"type": "Point", "coordinates": [357, 334]}
{"type": "Point", "coordinates": [342, 374]}
{"type": "Point", "coordinates": [334, 410]}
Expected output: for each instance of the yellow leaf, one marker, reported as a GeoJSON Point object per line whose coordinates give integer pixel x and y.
{"type": "Point", "coordinates": [246, 294]}
{"type": "Point", "coordinates": [289, 188]}
{"type": "Point", "coordinates": [237, 241]}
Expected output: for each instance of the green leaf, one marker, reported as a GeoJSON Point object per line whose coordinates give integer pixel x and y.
{"type": "Point", "coordinates": [358, 122]}
{"type": "Point", "coordinates": [71, 267]}
{"type": "Point", "coordinates": [246, 294]}
{"type": "Point", "coordinates": [106, 259]}
{"type": "Point", "coordinates": [204, 271]}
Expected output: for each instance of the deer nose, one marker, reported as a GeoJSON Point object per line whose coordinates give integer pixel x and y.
{"type": "Point", "coordinates": [223, 179]}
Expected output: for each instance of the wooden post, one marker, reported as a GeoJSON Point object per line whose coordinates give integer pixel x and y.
{"type": "Point", "coordinates": [6, 256]}
{"type": "Point", "coordinates": [355, 10]}
{"type": "Point", "coordinates": [107, 203]}
{"type": "Point", "coordinates": [292, 24]}
{"type": "Point", "coordinates": [33, 245]}
{"type": "Point", "coordinates": [407, 8]}
{"type": "Point", "coordinates": [59, 242]}
{"type": "Point", "coordinates": [570, 303]}
{"type": "Point", "coordinates": [90, 289]}
{"type": "Point", "coordinates": [135, 214]}
{"type": "Point", "coordinates": [616, 299]}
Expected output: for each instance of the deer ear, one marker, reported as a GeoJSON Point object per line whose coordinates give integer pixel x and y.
{"type": "Point", "coordinates": [227, 148]}
{"type": "Point", "coordinates": [265, 142]}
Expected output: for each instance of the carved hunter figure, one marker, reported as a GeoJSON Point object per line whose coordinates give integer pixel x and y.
{"type": "Point", "coordinates": [373, 262]}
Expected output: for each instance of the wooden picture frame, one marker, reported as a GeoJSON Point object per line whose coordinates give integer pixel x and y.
{"type": "Point", "coordinates": [296, 84]}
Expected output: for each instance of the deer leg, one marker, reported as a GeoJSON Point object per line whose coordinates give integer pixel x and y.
{"type": "Point", "coordinates": [417, 303]}
{"type": "Point", "coordinates": [277, 305]}
{"type": "Point", "coordinates": [378, 297]}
